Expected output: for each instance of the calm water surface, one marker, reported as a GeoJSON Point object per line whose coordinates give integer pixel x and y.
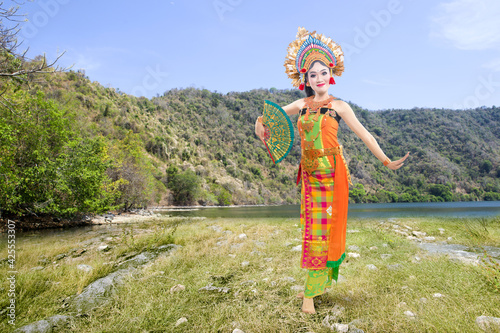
{"type": "Point", "coordinates": [378, 210]}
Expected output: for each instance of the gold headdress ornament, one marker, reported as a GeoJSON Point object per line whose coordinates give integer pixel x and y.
{"type": "Point", "coordinates": [307, 48]}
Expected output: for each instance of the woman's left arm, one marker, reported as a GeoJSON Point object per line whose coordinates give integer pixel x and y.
{"type": "Point", "coordinates": [345, 111]}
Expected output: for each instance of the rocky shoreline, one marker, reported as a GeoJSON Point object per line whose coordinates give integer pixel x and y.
{"type": "Point", "coordinates": [28, 223]}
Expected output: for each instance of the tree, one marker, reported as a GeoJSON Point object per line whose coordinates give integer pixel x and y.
{"type": "Point", "coordinates": [45, 166]}
{"type": "Point", "coordinates": [14, 63]}
{"type": "Point", "coordinates": [185, 187]}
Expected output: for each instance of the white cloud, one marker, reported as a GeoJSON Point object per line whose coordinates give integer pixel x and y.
{"type": "Point", "coordinates": [468, 24]}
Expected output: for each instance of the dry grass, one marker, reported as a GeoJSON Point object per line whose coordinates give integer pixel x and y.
{"type": "Point", "coordinates": [259, 299]}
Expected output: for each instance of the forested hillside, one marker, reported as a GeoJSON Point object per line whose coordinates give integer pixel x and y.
{"type": "Point", "coordinates": [69, 145]}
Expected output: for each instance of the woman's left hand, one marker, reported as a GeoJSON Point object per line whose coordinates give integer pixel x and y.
{"type": "Point", "coordinates": [394, 165]}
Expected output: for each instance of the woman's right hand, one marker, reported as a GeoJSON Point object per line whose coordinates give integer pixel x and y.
{"type": "Point", "coordinates": [260, 130]}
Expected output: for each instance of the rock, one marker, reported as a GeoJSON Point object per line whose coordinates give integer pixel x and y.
{"type": "Point", "coordinates": [352, 231]}
{"type": "Point", "coordinates": [215, 228]}
{"type": "Point", "coordinates": [385, 256]}
{"type": "Point", "coordinates": [103, 248]}
{"type": "Point", "coordinates": [412, 238]}
{"type": "Point", "coordinates": [404, 233]}
{"type": "Point", "coordinates": [329, 322]}
{"type": "Point", "coordinates": [288, 279]}
{"type": "Point", "coordinates": [371, 267]}
{"type": "Point", "coordinates": [245, 263]}
{"type": "Point", "coordinates": [258, 253]}
{"type": "Point", "coordinates": [268, 259]}
{"type": "Point", "coordinates": [288, 244]}
{"type": "Point", "coordinates": [450, 238]}
{"type": "Point", "coordinates": [437, 295]}
{"type": "Point", "coordinates": [220, 243]}
{"type": "Point", "coordinates": [249, 282]}
{"type": "Point", "coordinates": [355, 323]}
{"type": "Point", "coordinates": [441, 230]}
{"type": "Point", "coordinates": [416, 259]}
{"type": "Point", "coordinates": [242, 236]}
{"type": "Point", "coordinates": [228, 232]}
{"type": "Point", "coordinates": [237, 330]}
{"type": "Point", "coordinates": [410, 314]}
{"type": "Point", "coordinates": [137, 260]}
{"type": "Point", "coordinates": [60, 256]}
{"type": "Point", "coordinates": [385, 245]}
{"type": "Point", "coordinates": [98, 292]}
{"type": "Point", "coordinates": [337, 311]}
{"type": "Point", "coordinates": [232, 255]}
{"type": "Point", "coordinates": [454, 251]}
{"type": "Point", "coordinates": [37, 268]}
{"type": "Point", "coordinates": [394, 267]}
{"type": "Point", "coordinates": [418, 233]}
{"type": "Point", "coordinates": [297, 248]}
{"type": "Point", "coordinates": [78, 252]}
{"type": "Point", "coordinates": [210, 287]}
{"type": "Point", "coordinates": [260, 244]}
{"type": "Point", "coordinates": [355, 330]}
{"type": "Point", "coordinates": [297, 288]}
{"type": "Point", "coordinates": [373, 248]}
{"type": "Point", "coordinates": [236, 246]}
{"type": "Point", "coordinates": [488, 323]}
{"type": "Point", "coordinates": [176, 288]}
{"type": "Point", "coordinates": [408, 227]}
{"type": "Point", "coordinates": [353, 247]}
{"type": "Point", "coordinates": [353, 255]}
{"type": "Point", "coordinates": [41, 326]}
{"type": "Point", "coordinates": [336, 327]}
{"type": "Point", "coordinates": [181, 321]}
{"type": "Point", "coordinates": [430, 238]}
{"type": "Point", "coordinates": [402, 304]}
{"type": "Point", "coordinates": [168, 248]}
{"type": "Point", "coordinates": [85, 268]}
{"type": "Point", "coordinates": [423, 300]}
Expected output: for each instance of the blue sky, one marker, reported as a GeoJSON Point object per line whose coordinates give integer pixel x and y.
{"type": "Point", "coordinates": [399, 53]}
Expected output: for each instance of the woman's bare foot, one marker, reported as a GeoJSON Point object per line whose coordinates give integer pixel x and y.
{"type": "Point", "coordinates": [308, 305]}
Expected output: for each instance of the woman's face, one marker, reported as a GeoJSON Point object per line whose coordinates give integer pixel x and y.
{"type": "Point", "coordinates": [319, 78]}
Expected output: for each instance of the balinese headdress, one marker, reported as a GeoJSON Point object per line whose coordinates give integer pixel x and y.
{"type": "Point", "coordinates": [306, 49]}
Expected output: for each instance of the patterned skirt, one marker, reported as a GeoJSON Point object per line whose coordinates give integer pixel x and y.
{"type": "Point", "coordinates": [323, 217]}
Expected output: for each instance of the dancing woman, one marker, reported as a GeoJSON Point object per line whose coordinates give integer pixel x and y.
{"type": "Point", "coordinates": [312, 61]}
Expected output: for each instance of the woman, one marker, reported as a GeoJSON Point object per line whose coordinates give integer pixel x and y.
{"type": "Point", "coordinates": [311, 63]}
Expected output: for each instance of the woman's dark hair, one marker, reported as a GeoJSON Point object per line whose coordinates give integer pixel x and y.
{"type": "Point", "coordinates": [309, 91]}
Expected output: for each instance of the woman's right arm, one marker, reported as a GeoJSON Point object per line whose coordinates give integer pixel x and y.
{"type": "Point", "coordinates": [290, 109]}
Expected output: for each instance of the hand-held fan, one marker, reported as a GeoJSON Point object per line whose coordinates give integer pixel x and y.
{"type": "Point", "coordinates": [279, 131]}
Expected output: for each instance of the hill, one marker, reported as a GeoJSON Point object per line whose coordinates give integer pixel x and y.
{"type": "Point", "coordinates": [193, 146]}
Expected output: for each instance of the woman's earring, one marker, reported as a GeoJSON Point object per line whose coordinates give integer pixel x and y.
{"type": "Point", "coordinates": [332, 81]}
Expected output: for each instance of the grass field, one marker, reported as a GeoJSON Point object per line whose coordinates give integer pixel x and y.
{"type": "Point", "coordinates": [263, 276]}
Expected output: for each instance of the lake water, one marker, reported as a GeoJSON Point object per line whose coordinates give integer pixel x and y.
{"type": "Point", "coordinates": [374, 210]}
